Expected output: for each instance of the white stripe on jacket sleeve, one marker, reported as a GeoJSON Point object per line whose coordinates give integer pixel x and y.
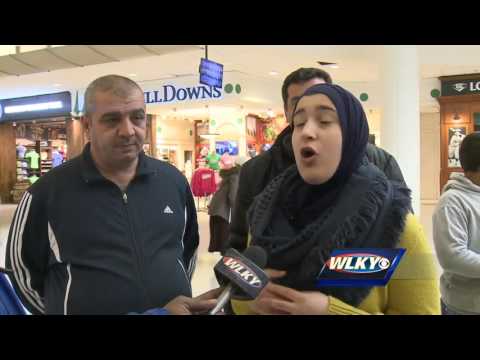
{"type": "Point", "coordinates": [20, 271]}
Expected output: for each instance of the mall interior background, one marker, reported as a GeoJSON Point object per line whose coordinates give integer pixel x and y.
{"type": "Point", "coordinates": [396, 85]}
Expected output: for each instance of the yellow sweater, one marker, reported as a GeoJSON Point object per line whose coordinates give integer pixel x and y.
{"type": "Point", "coordinates": [412, 290]}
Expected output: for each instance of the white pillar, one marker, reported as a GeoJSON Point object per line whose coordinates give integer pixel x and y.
{"type": "Point", "coordinates": [400, 126]}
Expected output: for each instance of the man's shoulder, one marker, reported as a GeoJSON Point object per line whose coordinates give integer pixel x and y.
{"type": "Point", "coordinates": [451, 196]}
{"type": "Point", "coordinates": [257, 163]}
{"type": "Point", "coordinates": [66, 173]}
{"type": "Point", "coordinates": [377, 153]}
{"type": "Point", "coordinates": [453, 201]}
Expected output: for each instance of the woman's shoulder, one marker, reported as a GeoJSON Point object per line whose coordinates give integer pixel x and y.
{"type": "Point", "coordinates": [413, 237]}
{"type": "Point", "coordinates": [419, 260]}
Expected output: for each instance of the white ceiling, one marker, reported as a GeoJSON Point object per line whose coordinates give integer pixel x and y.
{"type": "Point", "coordinates": [46, 59]}
{"type": "Point", "coordinates": [74, 66]}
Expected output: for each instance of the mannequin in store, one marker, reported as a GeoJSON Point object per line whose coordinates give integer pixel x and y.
{"type": "Point", "coordinates": [203, 182]}
{"type": "Point", "coordinates": [202, 154]}
{"type": "Point", "coordinates": [21, 151]}
{"type": "Point", "coordinates": [57, 158]}
{"type": "Point", "coordinates": [63, 151]}
{"type": "Point", "coordinates": [213, 160]}
{"type": "Point", "coordinates": [33, 156]}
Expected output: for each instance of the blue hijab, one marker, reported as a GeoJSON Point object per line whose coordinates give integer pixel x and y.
{"type": "Point", "coordinates": [303, 202]}
{"type": "Point", "coordinates": [353, 123]}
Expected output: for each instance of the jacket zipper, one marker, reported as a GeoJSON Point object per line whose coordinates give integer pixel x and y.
{"type": "Point", "coordinates": [137, 251]}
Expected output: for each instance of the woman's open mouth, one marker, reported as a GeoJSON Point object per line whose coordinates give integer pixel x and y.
{"type": "Point", "coordinates": [307, 152]}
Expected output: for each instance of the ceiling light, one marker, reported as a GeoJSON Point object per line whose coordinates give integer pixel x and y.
{"type": "Point", "coordinates": [57, 85]}
{"type": "Point", "coordinates": [329, 64]}
{"type": "Point", "coordinates": [132, 75]}
{"type": "Point", "coordinates": [33, 107]}
{"type": "Point", "coordinates": [273, 73]}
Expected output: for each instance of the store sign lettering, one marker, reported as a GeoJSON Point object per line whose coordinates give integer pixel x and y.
{"type": "Point", "coordinates": [171, 94]}
{"type": "Point", "coordinates": [453, 88]}
{"type": "Point", "coordinates": [475, 86]}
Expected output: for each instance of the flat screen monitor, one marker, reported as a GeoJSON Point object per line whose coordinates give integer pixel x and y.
{"type": "Point", "coordinates": [230, 147]}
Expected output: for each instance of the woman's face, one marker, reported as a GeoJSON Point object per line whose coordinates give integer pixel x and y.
{"type": "Point", "coordinates": [316, 139]}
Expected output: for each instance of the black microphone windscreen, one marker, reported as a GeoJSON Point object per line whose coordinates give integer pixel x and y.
{"type": "Point", "coordinates": [257, 255]}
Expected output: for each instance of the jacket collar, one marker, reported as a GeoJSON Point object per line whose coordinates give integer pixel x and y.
{"type": "Point", "coordinates": [91, 174]}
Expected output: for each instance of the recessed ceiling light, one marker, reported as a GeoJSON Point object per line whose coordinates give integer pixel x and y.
{"type": "Point", "coordinates": [132, 75]}
{"type": "Point", "coordinates": [57, 85]}
{"type": "Point", "coordinates": [273, 73]}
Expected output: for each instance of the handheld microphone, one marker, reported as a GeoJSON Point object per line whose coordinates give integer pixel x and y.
{"type": "Point", "coordinates": [242, 272]}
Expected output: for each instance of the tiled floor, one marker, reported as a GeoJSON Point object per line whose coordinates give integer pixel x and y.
{"type": "Point", "coordinates": [204, 278]}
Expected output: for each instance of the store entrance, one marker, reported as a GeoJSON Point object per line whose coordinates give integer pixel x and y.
{"type": "Point", "coordinates": [40, 146]}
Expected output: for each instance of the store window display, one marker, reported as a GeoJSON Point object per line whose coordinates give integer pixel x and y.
{"type": "Point", "coordinates": [40, 146]}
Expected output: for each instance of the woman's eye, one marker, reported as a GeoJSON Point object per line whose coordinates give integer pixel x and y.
{"type": "Point", "coordinates": [299, 123]}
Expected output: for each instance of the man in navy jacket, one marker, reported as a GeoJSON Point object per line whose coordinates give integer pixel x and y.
{"type": "Point", "coordinates": [111, 231]}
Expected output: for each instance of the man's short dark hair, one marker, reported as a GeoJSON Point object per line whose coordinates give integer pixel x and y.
{"type": "Point", "coordinates": [302, 75]}
{"type": "Point", "coordinates": [118, 85]}
{"type": "Point", "coordinates": [470, 152]}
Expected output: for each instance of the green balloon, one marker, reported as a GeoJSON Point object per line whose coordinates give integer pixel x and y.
{"type": "Point", "coordinates": [239, 120]}
{"type": "Point", "coordinates": [228, 88]}
{"type": "Point", "coordinates": [213, 122]}
{"type": "Point", "coordinates": [238, 89]}
{"type": "Point", "coordinates": [435, 93]}
{"type": "Point", "coordinates": [364, 96]}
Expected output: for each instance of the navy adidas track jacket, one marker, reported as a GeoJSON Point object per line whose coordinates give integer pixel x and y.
{"type": "Point", "coordinates": [79, 245]}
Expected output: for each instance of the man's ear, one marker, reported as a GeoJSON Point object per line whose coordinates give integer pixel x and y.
{"type": "Point", "coordinates": [86, 123]}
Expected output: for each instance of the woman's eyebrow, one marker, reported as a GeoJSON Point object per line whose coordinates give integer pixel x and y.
{"type": "Point", "coordinates": [325, 107]}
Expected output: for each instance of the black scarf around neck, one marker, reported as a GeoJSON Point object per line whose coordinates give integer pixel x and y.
{"type": "Point", "coordinates": [367, 211]}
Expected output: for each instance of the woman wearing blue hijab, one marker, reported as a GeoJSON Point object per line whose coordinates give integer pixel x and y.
{"type": "Point", "coordinates": [333, 198]}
